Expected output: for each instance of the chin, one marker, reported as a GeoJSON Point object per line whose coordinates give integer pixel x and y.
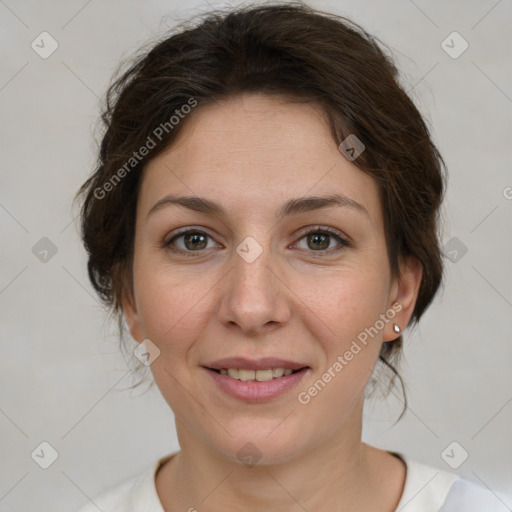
{"type": "Point", "coordinates": [260, 446]}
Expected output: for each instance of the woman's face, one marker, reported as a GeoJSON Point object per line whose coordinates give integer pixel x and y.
{"type": "Point", "coordinates": [252, 283]}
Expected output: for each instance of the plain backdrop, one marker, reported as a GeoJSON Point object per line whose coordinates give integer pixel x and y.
{"type": "Point", "coordinates": [63, 378]}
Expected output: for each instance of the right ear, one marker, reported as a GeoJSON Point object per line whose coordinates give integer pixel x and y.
{"type": "Point", "coordinates": [131, 315]}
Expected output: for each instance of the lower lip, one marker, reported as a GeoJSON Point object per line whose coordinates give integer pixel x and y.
{"type": "Point", "coordinates": [255, 391]}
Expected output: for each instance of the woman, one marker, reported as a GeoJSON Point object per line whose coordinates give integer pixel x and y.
{"type": "Point", "coordinates": [264, 216]}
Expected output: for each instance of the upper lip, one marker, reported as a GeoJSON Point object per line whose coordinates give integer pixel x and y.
{"type": "Point", "coordinates": [254, 364]}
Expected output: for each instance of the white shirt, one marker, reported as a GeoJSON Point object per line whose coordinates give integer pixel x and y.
{"type": "Point", "coordinates": [426, 489]}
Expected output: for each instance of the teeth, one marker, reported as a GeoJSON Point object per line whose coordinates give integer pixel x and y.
{"type": "Point", "coordinates": [259, 375]}
{"type": "Point", "coordinates": [233, 374]}
{"type": "Point", "coordinates": [246, 374]}
{"type": "Point", "coordinates": [263, 375]}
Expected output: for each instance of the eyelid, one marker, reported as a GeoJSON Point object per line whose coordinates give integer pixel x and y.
{"type": "Point", "coordinates": [166, 243]}
{"type": "Point", "coordinates": [323, 229]}
{"type": "Point", "coordinates": [183, 231]}
{"type": "Point", "coordinates": [343, 240]}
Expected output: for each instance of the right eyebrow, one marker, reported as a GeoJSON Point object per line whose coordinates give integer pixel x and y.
{"type": "Point", "coordinates": [291, 207]}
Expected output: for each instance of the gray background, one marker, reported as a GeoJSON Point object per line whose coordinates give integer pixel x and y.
{"type": "Point", "coordinates": [63, 378]}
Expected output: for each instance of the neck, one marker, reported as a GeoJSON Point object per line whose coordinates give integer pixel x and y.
{"type": "Point", "coordinates": [339, 469]}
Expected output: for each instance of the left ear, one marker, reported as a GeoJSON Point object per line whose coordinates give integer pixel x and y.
{"type": "Point", "coordinates": [404, 291]}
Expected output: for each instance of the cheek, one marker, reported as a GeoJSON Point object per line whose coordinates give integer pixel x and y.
{"type": "Point", "coordinates": [340, 315]}
{"type": "Point", "coordinates": [172, 305]}
{"type": "Point", "coordinates": [342, 303]}
{"type": "Point", "coordinates": [341, 323]}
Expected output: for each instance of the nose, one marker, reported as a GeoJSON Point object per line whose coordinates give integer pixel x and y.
{"type": "Point", "coordinates": [254, 297]}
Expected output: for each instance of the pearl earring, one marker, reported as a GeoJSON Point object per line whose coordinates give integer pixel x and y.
{"type": "Point", "coordinates": [396, 328]}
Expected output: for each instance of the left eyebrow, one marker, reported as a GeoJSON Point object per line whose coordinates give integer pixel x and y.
{"type": "Point", "coordinates": [291, 207]}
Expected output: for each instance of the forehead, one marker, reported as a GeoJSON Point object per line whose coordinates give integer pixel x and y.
{"type": "Point", "coordinates": [256, 150]}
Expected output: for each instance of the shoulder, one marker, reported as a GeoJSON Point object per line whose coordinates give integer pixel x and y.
{"type": "Point", "coordinates": [429, 489]}
{"type": "Point", "coordinates": [114, 499]}
{"type": "Point", "coordinates": [133, 495]}
{"type": "Point", "coordinates": [470, 497]}
{"type": "Point", "coordinates": [425, 488]}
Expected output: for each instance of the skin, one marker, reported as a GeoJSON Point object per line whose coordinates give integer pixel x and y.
{"type": "Point", "coordinates": [251, 154]}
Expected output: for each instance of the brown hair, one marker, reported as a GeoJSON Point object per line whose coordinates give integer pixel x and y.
{"type": "Point", "coordinates": [290, 50]}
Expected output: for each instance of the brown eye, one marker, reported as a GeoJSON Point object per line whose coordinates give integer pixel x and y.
{"type": "Point", "coordinates": [320, 240]}
{"type": "Point", "coordinates": [188, 241]}
{"type": "Point", "coordinates": [195, 241]}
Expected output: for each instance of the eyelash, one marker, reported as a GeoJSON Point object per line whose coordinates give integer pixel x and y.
{"type": "Point", "coordinates": [343, 243]}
